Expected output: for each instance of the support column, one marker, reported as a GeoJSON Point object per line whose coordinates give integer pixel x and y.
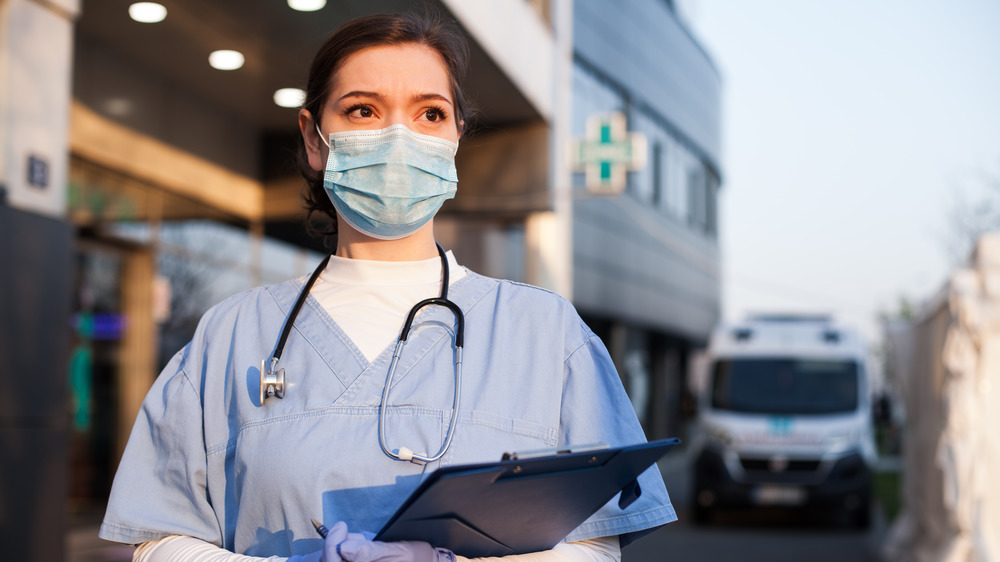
{"type": "Point", "coordinates": [36, 39]}
{"type": "Point", "coordinates": [549, 235]}
{"type": "Point", "coordinates": [660, 363]}
{"type": "Point", "coordinates": [139, 341]}
{"type": "Point", "coordinates": [617, 344]}
{"type": "Point", "coordinates": [36, 57]}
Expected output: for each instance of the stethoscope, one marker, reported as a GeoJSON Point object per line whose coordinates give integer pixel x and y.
{"type": "Point", "coordinates": [272, 381]}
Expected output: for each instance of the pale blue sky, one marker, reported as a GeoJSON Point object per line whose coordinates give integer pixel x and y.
{"type": "Point", "coordinates": [848, 128]}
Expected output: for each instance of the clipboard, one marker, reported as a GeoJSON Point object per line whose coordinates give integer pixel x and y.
{"type": "Point", "coordinates": [519, 505]}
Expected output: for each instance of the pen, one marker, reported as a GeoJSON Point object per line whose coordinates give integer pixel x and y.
{"type": "Point", "coordinates": [320, 528]}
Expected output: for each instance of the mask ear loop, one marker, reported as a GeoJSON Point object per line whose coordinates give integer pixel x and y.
{"type": "Point", "coordinates": [321, 137]}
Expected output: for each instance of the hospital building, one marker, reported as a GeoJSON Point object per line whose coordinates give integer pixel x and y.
{"type": "Point", "coordinates": [147, 171]}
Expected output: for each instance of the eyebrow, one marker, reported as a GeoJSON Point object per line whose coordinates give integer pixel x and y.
{"type": "Point", "coordinates": [381, 97]}
{"type": "Point", "coordinates": [428, 97]}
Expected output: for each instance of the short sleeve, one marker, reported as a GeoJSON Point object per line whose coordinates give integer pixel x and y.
{"type": "Point", "coordinates": [160, 486]}
{"type": "Point", "coordinates": [595, 408]}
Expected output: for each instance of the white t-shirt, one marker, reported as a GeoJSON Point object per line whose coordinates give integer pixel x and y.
{"type": "Point", "coordinates": [369, 300]}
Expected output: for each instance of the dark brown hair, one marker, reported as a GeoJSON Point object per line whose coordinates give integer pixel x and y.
{"type": "Point", "coordinates": [371, 31]}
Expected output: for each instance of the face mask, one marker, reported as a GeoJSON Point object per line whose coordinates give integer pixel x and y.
{"type": "Point", "coordinates": [390, 182]}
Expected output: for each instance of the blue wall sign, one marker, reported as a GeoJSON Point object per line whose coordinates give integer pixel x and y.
{"type": "Point", "coordinates": [38, 171]}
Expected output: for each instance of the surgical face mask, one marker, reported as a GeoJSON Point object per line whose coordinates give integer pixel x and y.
{"type": "Point", "coordinates": [390, 182]}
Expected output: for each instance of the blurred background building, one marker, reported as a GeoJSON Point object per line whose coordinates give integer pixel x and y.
{"type": "Point", "coordinates": [646, 264]}
{"type": "Point", "coordinates": [139, 185]}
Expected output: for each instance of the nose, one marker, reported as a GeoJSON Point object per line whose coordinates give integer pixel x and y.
{"type": "Point", "coordinates": [398, 117]}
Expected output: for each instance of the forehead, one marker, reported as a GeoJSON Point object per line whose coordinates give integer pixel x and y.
{"type": "Point", "coordinates": [406, 67]}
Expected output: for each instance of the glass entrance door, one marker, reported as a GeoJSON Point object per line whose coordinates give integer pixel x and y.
{"type": "Point", "coordinates": [97, 326]}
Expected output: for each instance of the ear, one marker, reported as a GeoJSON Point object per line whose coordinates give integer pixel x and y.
{"type": "Point", "coordinates": [315, 149]}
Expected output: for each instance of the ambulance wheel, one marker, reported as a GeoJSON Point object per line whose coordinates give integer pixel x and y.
{"type": "Point", "coordinates": [861, 515]}
{"type": "Point", "coordinates": [701, 515]}
{"type": "Point", "coordinates": [861, 518]}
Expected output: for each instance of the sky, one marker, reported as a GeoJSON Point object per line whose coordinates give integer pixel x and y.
{"type": "Point", "coordinates": [851, 129]}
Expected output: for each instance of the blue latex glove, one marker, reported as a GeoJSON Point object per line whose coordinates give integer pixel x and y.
{"type": "Point", "coordinates": [357, 548]}
{"type": "Point", "coordinates": [334, 537]}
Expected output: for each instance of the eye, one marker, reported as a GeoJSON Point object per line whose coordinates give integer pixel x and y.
{"type": "Point", "coordinates": [359, 110]}
{"type": "Point", "coordinates": [435, 114]}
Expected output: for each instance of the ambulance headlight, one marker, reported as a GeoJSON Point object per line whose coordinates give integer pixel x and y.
{"type": "Point", "coordinates": [839, 442]}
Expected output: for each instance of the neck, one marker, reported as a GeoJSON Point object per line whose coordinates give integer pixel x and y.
{"type": "Point", "coordinates": [355, 245]}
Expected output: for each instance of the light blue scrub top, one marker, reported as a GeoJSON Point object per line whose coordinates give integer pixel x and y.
{"type": "Point", "coordinates": [206, 460]}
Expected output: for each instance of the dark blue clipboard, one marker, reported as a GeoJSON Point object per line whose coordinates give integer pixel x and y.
{"type": "Point", "coordinates": [520, 505]}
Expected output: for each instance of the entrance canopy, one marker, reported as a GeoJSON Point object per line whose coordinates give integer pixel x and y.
{"type": "Point", "coordinates": [150, 86]}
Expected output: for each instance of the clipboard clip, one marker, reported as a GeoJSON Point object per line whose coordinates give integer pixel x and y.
{"type": "Point", "coordinates": [513, 456]}
{"type": "Point", "coordinates": [629, 494]}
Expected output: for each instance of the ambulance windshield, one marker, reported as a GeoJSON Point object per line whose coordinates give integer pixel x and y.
{"type": "Point", "coordinates": [785, 386]}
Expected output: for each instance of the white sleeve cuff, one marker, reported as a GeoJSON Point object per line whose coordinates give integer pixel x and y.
{"type": "Point", "coordinates": [178, 548]}
{"type": "Point", "coordinates": [603, 549]}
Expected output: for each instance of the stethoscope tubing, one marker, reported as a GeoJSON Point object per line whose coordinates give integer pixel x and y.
{"type": "Point", "coordinates": [404, 453]}
{"type": "Point", "coordinates": [439, 301]}
{"type": "Point", "coordinates": [272, 382]}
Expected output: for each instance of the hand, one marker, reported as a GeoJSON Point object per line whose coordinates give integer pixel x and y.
{"type": "Point", "coordinates": [334, 537]}
{"type": "Point", "coordinates": [357, 548]}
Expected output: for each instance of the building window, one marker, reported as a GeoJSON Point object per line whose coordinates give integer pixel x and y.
{"type": "Point", "coordinates": [712, 206]}
{"type": "Point", "coordinates": [696, 199]}
{"type": "Point", "coordinates": [657, 163]}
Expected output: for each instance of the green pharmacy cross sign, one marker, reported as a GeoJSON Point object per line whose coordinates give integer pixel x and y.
{"type": "Point", "coordinates": [608, 152]}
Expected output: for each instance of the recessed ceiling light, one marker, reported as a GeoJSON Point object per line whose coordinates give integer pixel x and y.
{"type": "Point", "coordinates": [306, 5]}
{"type": "Point", "coordinates": [119, 107]}
{"type": "Point", "coordinates": [225, 60]}
{"type": "Point", "coordinates": [289, 97]}
{"type": "Point", "coordinates": [147, 12]}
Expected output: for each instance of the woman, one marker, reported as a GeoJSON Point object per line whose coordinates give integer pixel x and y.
{"type": "Point", "coordinates": [213, 467]}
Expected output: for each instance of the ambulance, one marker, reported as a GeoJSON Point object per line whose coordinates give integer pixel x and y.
{"type": "Point", "coordinates": [784, 418]}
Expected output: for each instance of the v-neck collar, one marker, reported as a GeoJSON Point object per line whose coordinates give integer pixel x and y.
{"type": "Point", "coordinates": [363, 381]}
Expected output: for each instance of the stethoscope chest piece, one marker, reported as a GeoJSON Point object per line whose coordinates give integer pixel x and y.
{"type": "Point", "coordinates": [272, 383]}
